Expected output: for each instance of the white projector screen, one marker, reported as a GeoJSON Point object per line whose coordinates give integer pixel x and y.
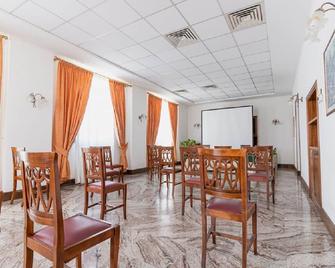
{"type": "Point", "coordinates": [227, 126]}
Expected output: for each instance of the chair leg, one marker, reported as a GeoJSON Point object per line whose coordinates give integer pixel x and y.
{"type": "Point", "coordinates": [249, 189]}
{"type": "Point", "coordinates": [173, 182]}
{"type": "Point", "coordinates": [204, 239]}
{"type": "Point", "coordinates": [125, 202]}
{"type": "Point", "coordinates": [213, 227]}
{"type": "Point", "coordinates": [85, 202]}
{"type": "Point", "coordinates": [78, 261]}
{"type": "Point", "coordinates": [28, 258]}
{"type": "Point", "coordinates": [103, 205]}
{"type": "Point", "coordinates": [254, 229]}
{"type": "Point", "coordinates": [160, 181]}
{"type": "Point", "coordinates": [114, 248]}
{"type": "Point", "coordinates": [244, 243]}
{"type": "Point", "coordinates": [183, 199]}
{"type": "Point", "coordinates": [267, 194]}
{"type": "Point", "coordinates": [14, 191]}
{"type": "Point", "coordinates": [191, 196]}
{"type": "Point", "coordinates": [273, 190]}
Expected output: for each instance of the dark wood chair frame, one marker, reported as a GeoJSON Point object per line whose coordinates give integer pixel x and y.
{"type": "Point", "coordinates": [168, 167]}
{"type": "Point", "coordinates": [222, 147]}
{"type": "Point", "coordinates": [17, 169]}
{"type": "Point", "coordinates": [94, 171]}
{"type": "Point", "coordinates": [40, 171]}
{"type": "Point", "coordinates": [153, 160]}
{"type": "Point", "coordinates": [232, 187]}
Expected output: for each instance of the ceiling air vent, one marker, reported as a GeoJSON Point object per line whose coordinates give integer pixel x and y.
{"type": "Point", "coordinates": [181, 91]}
{"type": "Point", "coordinates": [247, 17]}
{"type": "Point", "coordinates": [209, 87]}
{"type": "Point", "coordinates": [182, 37]}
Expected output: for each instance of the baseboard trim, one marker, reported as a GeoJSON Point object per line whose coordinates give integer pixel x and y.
{"type": "Point", "coordinates": [136, 171]}
{"type": "Point", "coordinates": [7, 195]}
{"type": "Point", "coordinates": [323, 214]}
{"type": "Point", "coordinates": [288, 166]}
{"type": "Point", "coordinates": [1, 197]}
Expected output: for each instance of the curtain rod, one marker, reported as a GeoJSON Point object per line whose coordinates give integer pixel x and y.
{"type": "Point", "coordinates": [57, 59]}
{"type": "Point", "coordinates": [4, 36]}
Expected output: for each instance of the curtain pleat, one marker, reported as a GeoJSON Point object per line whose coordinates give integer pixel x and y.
{"type": "Point", "coordinates": [173, 109]}
{"type": "Point", "coordinates": [117, 91]}
{"type": "Point", "coordinates": [153, 118]}
{"type": "Point", "coordinates": [72, 91]}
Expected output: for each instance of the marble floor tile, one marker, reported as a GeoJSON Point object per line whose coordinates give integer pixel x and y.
{"type": "Point", "coordinates": [290, 233]}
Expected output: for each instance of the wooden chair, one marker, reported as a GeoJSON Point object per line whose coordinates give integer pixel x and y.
{"type": "Point", "coordinates": [95, 182]}
{"type": "Point", "coordinates": [260, 169]}
{"type": "Point", "coordinates": [58, 240]}
{"type": "Point", "coordinates": [190, 173]}
{"type": "Point", "coordinates": [111, 170]}
{"type": "Point", "coordinates": [229, 197]}
{"type": "Point", "coordinates": [222, 147]}
{"type": "Point", "coordinates": [17, 175]}
{"type": "Point", "coordinates": [167, 167]}
{"type": "Point", "coordinates": [153, 160]}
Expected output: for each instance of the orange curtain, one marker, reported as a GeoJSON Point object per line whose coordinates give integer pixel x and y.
{"type": "Point", "coordinates": [173, 109]}
{"type": "Point", "coordinates": [72, 91]}
{"type": "Point", "coordinates": [117, 91]}
{"type": "Point", "coordinates": [154, 116]}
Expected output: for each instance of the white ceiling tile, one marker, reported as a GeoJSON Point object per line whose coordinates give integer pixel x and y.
{"type": "Point", "coordinates": [157, 45]}
{"type": "Point", "coordinates": [191, 72]}
{"type": "Point", "coordinates": [256, 58]}
{"type": "Point", "coordinates": [171, 55]}
{"type": "Point", "coordinates": [140, 31]}
{"type": "Point", "coordinates": [181, 64]}
{"type": "Point", "coordinates": [10, 5]}
{"type": "Point", "coordinates": [66, 9]}
{"type": "Point", "coordinates": [261, 73]}
{"type": "Point", "coordinates": [202, 59]}
{"type": "Point", "coordinates": [96, 46]}
{"type": "Point", "coordinates": [210, 68]}
{"type": "Point", "coordinates": [38, 16]}
{"type": "Point", "coordinates": [232, 63]}
{"type": "Point", "coordinates": [254, 48]}
{"type": "Point", "coordinates": [117, 40]}
{"type": "Point", "coordinates": [71, 33]}
{"type": "Point", "coordinates": [150, 61]}
{"type": "Point", "coordinates": [91, 23]}
{"type": "Point", "coordinates": [221, 42]}
{"type": "Point", "coordinates": [240, 76]}
{"type": "Point", "coordinates": [199, 10]}
{"type": "Point", "coordinates": [197, 78]}
{"type": "Point", "coordinates": [264, 79]}
{"type": "Point", "coordinates": [164, 69]}
{"type": "Point", "coordinates": [237, 70]}
{"type": "Point", "coordinates": [116, 12]}
{"type": "Point", "coordinates": [259, 66]}
{"type": "Point", "coordinates": [227, 54]}
{"type": "Point", "coordinates": [252, 34]}
{"type": "Point", "coordinates": [91, 3]}
{"type": "Point", "coordinates": [230, 6]}
{"type": "Point", "coordinates": [264, 85]}
{"type": "Point", "coordinates": [135, 52]}
{"type": "Point", "coordinates": [211, 28]}
{"type": "Point", "coordinates": [150, 6]}
{"type": "Point", "coordinates": [116, 57]}
{"type": "Point", "coordinates": [204, 82]}
{"type": "Point", "coordinates": [218, 74]}
{"type": "Point", "coordinates": [194, 50]}
{"type": "Point", "coordinates": [183, 82]}
{"type": "Point", "coordinates": [133, 66]}
{"type": "Point", "coordinates": [222, 79]}
{"type": "Point", "coordinates": [167, 21]}
{"type": "Point", "coordinates": [244, 83]}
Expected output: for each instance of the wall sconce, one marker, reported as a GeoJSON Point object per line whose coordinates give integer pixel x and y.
{"type": "Point", "coordinates": [275, 122]}
{"type": "Point", "coordinates": [295, 97]}
{"type": "Point", "coordinates": [196, 125]}
{"type": "Point", "coordinates": [320, 96]}
{"type": "Point", "coordinates": [318, 21]}
{"type": "Point", "coordinates": [34, 98]}
{"type": "Point", "coordinates": [142, 117]}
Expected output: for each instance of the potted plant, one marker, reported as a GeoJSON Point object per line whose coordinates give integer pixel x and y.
{"type": "Point", "coordinates": [188, 143]}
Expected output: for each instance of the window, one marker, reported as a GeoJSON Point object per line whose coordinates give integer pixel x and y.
{"type": "Point", "coordinates": [97, 127]}
{"type": "Point", "coordinates": [164, 136]}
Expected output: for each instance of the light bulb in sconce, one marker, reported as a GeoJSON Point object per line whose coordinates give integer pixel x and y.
{"type": "Point", "coordinates": [142, 117]}
{"type": "Point", "coordinates": [320, 96]}
{"type": "Point", "coordinates": [196, 125]}
{"type": "Point", "coordinates": [35, 98]}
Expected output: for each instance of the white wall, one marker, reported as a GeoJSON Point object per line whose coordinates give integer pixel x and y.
{"type": "Point", "coordinates": [311, 69]}
{"type": "Point", "coordinates": [29, 69]}
{"type": "Point", "coordinates": [266, 109]}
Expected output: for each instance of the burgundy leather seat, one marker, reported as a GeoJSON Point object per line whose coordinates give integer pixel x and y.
{"type": "Point", "coordinates": [76, 229]}
{"type": "Point", "coordinates": [193, 181]}
{"type": "Point", "coordinates": [233, 206]}
{"type": "Point", "coordinates": [258, 176]}
{"type": "Point", "coordinates": [110, 186]}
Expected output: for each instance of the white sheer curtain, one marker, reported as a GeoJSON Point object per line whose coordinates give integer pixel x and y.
{"type": "Point", "coordinates": [164, 136]}
{"type": "Point", "coordinates": [97, 127]}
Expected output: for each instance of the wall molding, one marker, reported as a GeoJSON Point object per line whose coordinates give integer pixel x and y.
{"type": "Point", "coordinates": [323, 214]}
{"type": "Point", "coordinates": [289, 166]}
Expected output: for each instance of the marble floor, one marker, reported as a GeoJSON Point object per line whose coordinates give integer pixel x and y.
{"type": "Point", "coordinates": [290, 233]}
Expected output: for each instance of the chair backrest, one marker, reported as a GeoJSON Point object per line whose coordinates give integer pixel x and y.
{"type": "Point", "coordinates": [41, 192]}
{"type": "Point", "coordinates": [258, 158]}
{"type": "Point", "coordinates": [222, 147]}
{"type": "Point", "coordinates": [16, 157]}
{"type": "Point", "coordinates": [189, 159]}
{"type": "Point", "coordinates": [223, 174]}
{"type": "Point", "coordinates": [107, 156]}
{"type": "Point", "coordinates": [152, 155]}
{"type": "Point", "coordinates": [93, 163]}
{"type": "Point", "coordinates": [166, 156]}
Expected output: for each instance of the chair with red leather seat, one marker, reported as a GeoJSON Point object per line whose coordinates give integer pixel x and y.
{"type": "Point", "coordinates": [95, 182]}
{"type": "Point", "coordinates": [58, 240]}
{"type": "Point", "coordinates": [229, 197]}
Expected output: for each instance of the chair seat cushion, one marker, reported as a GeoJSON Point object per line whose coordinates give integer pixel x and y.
{"type": "Point", "coordinates": [110, 186]}
{"type": "Point", "coordinates": [233, 206]}
{"type": "Point", "coordinates": [76, 229]}
{"type": "Point", "coordinates": [258, 176]}
{"type": "Point", "coordinates": [170, 170]}
{"type": "Point", "coordinates": [113, 172]}
{"type": "Point", "coordinates": [194, 180]}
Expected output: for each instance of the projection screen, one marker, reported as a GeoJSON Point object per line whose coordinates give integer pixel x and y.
{"type": "Point", "coordinates": [227, 126]}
